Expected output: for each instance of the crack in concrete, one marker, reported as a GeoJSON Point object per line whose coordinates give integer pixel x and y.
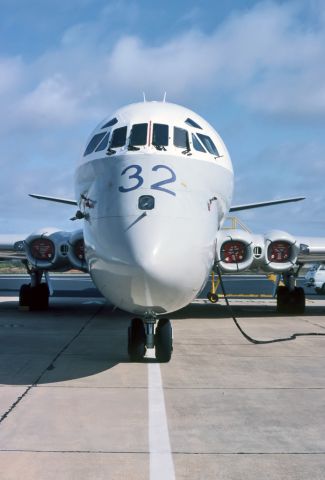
{"type": "Point", "coordinates": [50, 366]}
{"type": "Point", "coordinates": [138, 452]}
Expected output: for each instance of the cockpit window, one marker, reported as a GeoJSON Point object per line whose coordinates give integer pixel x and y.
{"type": "Point", "coordinates": [94, 142]}
{"type": "Point", "coordinates": [110, 123]}
{"type": "Point", "coordinates": [191, 122]}
{"type": "Point", "coordinates": [181, 138]}
{"type": "Point", "coordinates": [160, 135]}
{"type": "Point", "coordinates": [139, 133]}
{"type": "Point", "coordinates": [197, 145]}
{"type": "Point", "coordinates": [208, 143]}
{"type": "Point", "coordinates": [118, 137]}
{"type": "Point", "coordinates": [103, 144]}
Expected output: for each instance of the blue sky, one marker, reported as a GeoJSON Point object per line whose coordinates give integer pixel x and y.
{"type": "Point", "coordinates": [254, 69]}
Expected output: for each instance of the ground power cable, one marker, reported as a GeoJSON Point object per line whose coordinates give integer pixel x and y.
{"type": "Point", "coordinates": [254, 340]}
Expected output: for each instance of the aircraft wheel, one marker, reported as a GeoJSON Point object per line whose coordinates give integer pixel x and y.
{"type": "Point", "coordinates": [24, 295]}
{"type": "Point", "coordinates": [164, 340]}
{"type": "Point", "coordinates": [300, 300]}
{"type": "Point", "coordinates": [290, 302]}
{"type": "Point", "coordinates": [282, 299]}
{"type": "Point", "coordinates": [136, 340]}
{"type": "Point", "coordinates": [213, 297]}
{"type": "Point", "coordinates": [39, 297]}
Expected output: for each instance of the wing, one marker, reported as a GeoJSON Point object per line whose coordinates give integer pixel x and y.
{"type": "Point", "coordinates": [248, 206]}
{"type": "Point", "coordinates": [54, 199]}
{"type": "Point", "coordinates": [12, 247]}
{"type": "Point", "coordinates": [312, 249]}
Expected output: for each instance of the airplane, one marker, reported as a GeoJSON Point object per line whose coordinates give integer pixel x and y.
{"type": "Point", "coordinates": [152, 190]}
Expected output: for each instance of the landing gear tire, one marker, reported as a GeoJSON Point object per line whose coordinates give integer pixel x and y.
{"type": "Point", "coordinates": [290, 301]}
{"type": "Point", "coordinates": [136, 340]}
{"type": "Point", "coordinates": [213, 297]}
{"type": "Point", "coordinates": [164, 340]}
{"type": "Point", "coordinates": [24, 296]}
{"type": "Point", "coordinates": [34, 298]}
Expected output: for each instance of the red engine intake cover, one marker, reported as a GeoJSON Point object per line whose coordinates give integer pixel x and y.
{"type": "Point", "coordinates": [279, 252]}
{"type": "Point", "coordinates": [234, 251]}
{"type": "Point", "coordinates": [79, 250]}
{"type": "Point", "coordinates": [42, 249]}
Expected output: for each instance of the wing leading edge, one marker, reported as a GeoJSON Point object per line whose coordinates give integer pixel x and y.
{"type": "Point", "coordinates": [248, 206]}
{"type": "Point", "coordinates": [67, 201]}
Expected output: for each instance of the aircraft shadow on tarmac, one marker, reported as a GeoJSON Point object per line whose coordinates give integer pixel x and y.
{"type": "Point", "coordinates": [74, 340]}
{"type": "Point", "coordinates": [252, 310]}
{"type": "Point", "coordinates": [71, 341]}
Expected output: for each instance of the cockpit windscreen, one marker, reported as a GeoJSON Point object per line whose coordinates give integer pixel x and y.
{"type": "Point", "coordinates": [160, 135]}
{"type": "Point", "coordinates": [139, 134]}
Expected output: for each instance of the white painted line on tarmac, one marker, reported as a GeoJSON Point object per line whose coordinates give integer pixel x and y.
{"type": "Point", "coordinates": [161, 460]}
{"type": "Point", "coordinates": [9, 299]}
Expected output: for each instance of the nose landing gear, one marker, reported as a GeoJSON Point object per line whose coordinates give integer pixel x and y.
{"type": "Point", "coordinates": [164, 340]}
{"type": "Point", "coordinates": [136, 340]}
{"type": "Point", "coordinates": [142, 335]}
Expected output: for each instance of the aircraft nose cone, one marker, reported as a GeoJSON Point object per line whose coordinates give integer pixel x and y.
{"type": "Point", "coordinates": [158, 280]}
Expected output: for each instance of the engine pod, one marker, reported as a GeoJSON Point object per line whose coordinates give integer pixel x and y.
{"type": "Point", "coordinates": [234, 251]}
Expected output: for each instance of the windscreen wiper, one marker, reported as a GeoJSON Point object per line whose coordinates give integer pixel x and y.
{"type": "Point", "coordinates": [187, 151]}
{"type": "Point", "coordinates": [133, 148]}
{"type": "Point", "coordinates": [110, 151]}
{"type": "Point", "coordinates": [160, 147]}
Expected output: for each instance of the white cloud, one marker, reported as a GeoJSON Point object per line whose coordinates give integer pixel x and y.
{"type": "Point", "coordinates": [263, 57]}
{"type": "Point", "coordinates": [52, 101]}
{"type": "Point", "coordinates": [11, 73]}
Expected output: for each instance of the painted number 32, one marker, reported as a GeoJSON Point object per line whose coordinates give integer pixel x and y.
{"type": "Point", "coordinates": [135, 179]}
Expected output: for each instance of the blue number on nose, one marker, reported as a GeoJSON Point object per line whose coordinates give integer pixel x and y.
{"type": "Point", "coordinates": [171, 179]}
{"type": "Point", "coordinates": [137, 176]}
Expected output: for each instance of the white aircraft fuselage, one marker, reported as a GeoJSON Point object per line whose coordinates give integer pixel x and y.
{"type": "Point", "coordinates": [155, 194]}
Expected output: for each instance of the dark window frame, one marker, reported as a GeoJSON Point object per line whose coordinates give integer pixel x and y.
{"type": "Point", "coordinates": [208, 144]}
{"type": "Point", "coordinates": [110, 123]}
{"type": "Point", "coordinates": [197, 145]}
{"type": "Point", "coordinates": [94, 142]}
{"type": "Point", "coordinates": [144, 134]}
{"type": "Point", "coordinates": [176, 137]}
{"type": "Point", "coordinates": [164, 132]}
{"type": "Point", "coordinates": [122, 141]}
{"type": "Point", "coordinates": [103, 143]}
{"type": "Point", "coordinates": [192, 123]}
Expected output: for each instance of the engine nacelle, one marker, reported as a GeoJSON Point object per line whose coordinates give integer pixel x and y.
{"type": "Point", "coordinates": [234, 250]}
{"type": "Point", "coordinates": [281, 251]}
{"type": "Point", "coordinates": [48, 248]}
{"type": "Point", "coordinates": [76, 252]}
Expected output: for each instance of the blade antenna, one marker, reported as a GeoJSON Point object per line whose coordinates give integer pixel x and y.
{"type": "Point", "coordinates": [144, 97]}
{"type": "Point", "coordinates": [164, 99]}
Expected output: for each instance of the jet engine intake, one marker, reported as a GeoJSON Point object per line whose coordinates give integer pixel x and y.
{"type": "Point", "coordinates": [76, 252]}
{"type": "Point", "coordinates": [234, 251]}
{"type": "Point", "coordinates": [281, 251]}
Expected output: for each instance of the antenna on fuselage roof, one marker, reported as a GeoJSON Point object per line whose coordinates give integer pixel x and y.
{"type": "Point", "coordinates": [164, 99]}
{"type": "Point", "coordinates": [144, 97]}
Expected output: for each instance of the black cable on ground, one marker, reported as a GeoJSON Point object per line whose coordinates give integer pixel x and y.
{"type": "Point", "coordinates": [251, 339]}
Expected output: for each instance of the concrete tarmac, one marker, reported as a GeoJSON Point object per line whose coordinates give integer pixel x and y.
{"type": "Point", "coordinates": [72, 406]}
